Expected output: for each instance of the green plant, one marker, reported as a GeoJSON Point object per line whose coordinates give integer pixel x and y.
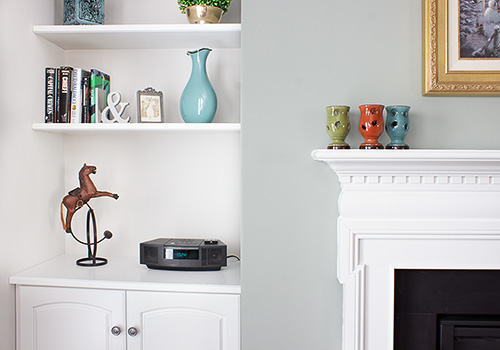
{"type": "Point", "coordinates": [222, 4]}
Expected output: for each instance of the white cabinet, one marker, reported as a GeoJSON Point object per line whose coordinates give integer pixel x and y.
{"type": "Point", "coordinates": [68, 318]}
{"type": "Point", "coordinates": [183, 321]}
{"type": "Point", "coordinates": [125, 306]}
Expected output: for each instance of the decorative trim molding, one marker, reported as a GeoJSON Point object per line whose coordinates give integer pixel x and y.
{"type": "Point", "coordinates": [434, 209]}
{"type": "Point", "coordinates": [356, 274]}
{"type": "Point", "coordinates": [420, 179]}
{"type": "Point", "coordinates": [356, 238]}
{"type": "Point", "coordinates": [413, 166]}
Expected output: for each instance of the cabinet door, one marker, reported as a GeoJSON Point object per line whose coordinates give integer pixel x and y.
{"type": "Point", "coordinates": [69, 318]}
{"type": "Point", "coordinates": [183, 321]}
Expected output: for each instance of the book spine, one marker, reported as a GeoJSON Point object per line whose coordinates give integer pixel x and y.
{"type": "Point", "coordinates": [50, 90]}
{"type": "Point", "coordinates": [57, 94]}
{"type": "Point", "coordinates": [86, 98]}
{"type": "Point", "coordinates": [76, 96]}
{"type": "Point", "coordinates": [92, 111]}
{"type": "Point", "coordinates": [65, 94]}
{"type": "Point", "coordinates": [98, 81]}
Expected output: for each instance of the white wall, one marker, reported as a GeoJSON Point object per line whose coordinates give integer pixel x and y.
{"type": "Point", "coordinates": [32, 164]}
{"type": "Point", "coordinates": [170, 185]}
{"type": "Point", "coordinates": [147, 12]}
{"type": "Point", "coordinates": [297, 58]}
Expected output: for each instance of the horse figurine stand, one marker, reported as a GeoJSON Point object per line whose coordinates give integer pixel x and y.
{"type": "Point", "coordinates": [92, 259]}
{"type": "Point", "coordinates": [74, 201]}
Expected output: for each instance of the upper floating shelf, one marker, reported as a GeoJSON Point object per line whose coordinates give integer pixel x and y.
{"type": "Point", "coordinates": [99, 128]}
{"type": "Point", "coordinates": [142, 36]}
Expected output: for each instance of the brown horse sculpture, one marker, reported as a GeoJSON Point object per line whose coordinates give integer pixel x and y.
{"type": "Point", "coordinates": [77, 198]}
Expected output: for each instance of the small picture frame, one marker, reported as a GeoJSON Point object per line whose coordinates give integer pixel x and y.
{"type": "Point", "coordinates": [149, 106]}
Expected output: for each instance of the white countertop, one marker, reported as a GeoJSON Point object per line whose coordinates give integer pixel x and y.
{"type": "Point", "coordinates": [126, 273]}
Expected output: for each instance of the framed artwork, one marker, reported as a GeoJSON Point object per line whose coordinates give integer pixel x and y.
{"type": "Point", "coordinates": [461, 52]}
{"type": "Point", "coordinates": [149, 106]}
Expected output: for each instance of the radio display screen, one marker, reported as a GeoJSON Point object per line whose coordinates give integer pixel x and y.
{"type": "Point", "coordinates": [181, 254]}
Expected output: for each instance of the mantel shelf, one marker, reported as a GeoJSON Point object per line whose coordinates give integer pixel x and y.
{"type": "Point", "coordinates": [142, 36]}
{"type": "Point", "coordinates": [415, 168]}
{"type": "Point", "coordinates": [421, 161]}
{"type": "Point", "coordinates": [80, 129]}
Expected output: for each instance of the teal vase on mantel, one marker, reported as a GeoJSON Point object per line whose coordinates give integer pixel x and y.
{"type": "Point", "coordinates": [198, 100]}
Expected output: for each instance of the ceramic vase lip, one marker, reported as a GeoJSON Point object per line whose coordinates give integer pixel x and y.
{"type": "Point", "coordinates": [339, 106]}
{"type": "Point", "coordinates": [371, 105]}
{"type": "Point", "coordinates": [398, 106]}
{"type": "Point", "coordinates": [196, 51]}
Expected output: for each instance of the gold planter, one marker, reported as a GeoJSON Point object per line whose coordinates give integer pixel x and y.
{"type": "Point", "coordinates": [200, 14]}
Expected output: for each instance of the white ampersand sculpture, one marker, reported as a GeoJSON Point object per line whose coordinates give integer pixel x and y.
{"type": "Point", "coordinates": [114, 99]}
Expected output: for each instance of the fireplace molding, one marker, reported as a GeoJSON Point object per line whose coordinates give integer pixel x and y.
{"type": "Point", "coordinates": [416, 209]}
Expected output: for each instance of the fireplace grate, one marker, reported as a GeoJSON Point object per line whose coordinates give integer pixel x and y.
{"type": "Point", "coordinates": [447, 309]}
{"type": "Point", "coordinates": [469, 333]}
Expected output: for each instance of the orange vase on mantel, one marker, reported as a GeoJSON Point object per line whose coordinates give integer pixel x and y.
{"type": "Point", "coordinates": [371, 126]}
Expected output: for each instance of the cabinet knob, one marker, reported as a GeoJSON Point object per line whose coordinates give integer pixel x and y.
{"type": "Point", "coordinates": [132, 331]}
{"type": "Point", "coordinates": [116, 331]}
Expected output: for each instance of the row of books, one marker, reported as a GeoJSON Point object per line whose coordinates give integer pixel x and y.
{"type": "Point", "coordinates": [75, 95]}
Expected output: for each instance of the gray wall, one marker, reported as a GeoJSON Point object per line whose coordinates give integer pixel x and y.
{"type": "Point", "coordinates": [297, 58]}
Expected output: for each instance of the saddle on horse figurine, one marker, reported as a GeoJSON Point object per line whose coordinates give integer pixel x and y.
{"type": "Point", "coordinates": [76, 192]}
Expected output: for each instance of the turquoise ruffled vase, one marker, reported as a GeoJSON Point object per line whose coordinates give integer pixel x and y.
{"type": "Point", "coordinates": [198, 100]}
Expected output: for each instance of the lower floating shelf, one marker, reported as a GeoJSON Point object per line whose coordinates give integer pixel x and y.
{"type": "Point", "coordinates": [80, 129]}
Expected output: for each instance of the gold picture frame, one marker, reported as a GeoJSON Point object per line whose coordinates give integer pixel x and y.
{"type": "Point", "coordinates": [438, 77]}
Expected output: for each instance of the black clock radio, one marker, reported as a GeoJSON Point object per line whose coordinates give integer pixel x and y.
{"type": "Point", "coordinates": [183, 254]}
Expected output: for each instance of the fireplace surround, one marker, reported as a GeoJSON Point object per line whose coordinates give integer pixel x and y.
{"type": "Point", "coordinates": [408, 210]}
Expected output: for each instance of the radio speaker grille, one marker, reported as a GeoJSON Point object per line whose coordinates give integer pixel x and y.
{"type": "Point", "coordinates": [150, 255]}
{"type": "Point", "coordinates": [214, 256]}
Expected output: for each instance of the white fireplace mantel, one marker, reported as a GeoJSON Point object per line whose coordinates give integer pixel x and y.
{"type": "Point", "coordinates": [404, 163]}
{"type": "Point", "coordinates": [408, 209]}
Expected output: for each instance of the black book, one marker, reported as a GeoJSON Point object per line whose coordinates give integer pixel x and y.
{"type": "Point", "coordinates": [86, 99]}
{"type": "Point", "coordinates": [50, 94]}
{"type": "Point", "coordinates": [57, 95]}
{"type": "Point", "coordinates": [65, 80]}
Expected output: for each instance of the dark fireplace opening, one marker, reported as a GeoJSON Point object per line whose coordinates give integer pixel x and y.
{"type": "Point", "coordinates": [447, 310]}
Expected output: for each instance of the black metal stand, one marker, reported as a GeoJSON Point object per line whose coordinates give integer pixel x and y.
{"type": "Point", "coordinates": [92, 259]}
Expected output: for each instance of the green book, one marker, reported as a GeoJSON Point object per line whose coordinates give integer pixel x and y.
{"type": "Point", "coordinates": [99, 91]}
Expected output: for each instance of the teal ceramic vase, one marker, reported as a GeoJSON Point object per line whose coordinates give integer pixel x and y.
{"type": "Point", "coordinates": [338, 126]}
{"type": "Point", "coordinates": [198, 100]}
{"type": "Point", "coordinates": [397, 126]}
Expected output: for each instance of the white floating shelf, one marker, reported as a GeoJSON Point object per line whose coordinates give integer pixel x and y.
{"type": "Point", "coordinates": [98, 128]}
{"type": "Point", "coordinates": [142, 36]}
